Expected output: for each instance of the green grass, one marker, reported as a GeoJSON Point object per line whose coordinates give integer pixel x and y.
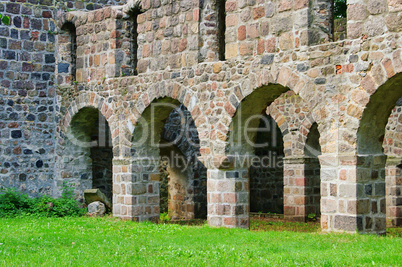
{"type": "Point", "coordinates": [106, 241]}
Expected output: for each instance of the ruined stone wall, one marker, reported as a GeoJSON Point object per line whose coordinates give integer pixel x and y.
{"type": "Point", "coordinates": [29, 106]}
{"type": "Point", "coordinates": [270, 55]}
{"type": "Point", "coordinates": [168, 35]}
{"type": "Point", "coordinates": [27, 67]}
{"type": "Point", "coordinates": [373, 18]}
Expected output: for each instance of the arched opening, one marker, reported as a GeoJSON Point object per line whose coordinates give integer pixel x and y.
{"type": "Point", "coordinates": [164, 155]}
{"type": "Point", "coordinates": [86, 154]}
{"type": "Point", "coordinates": [67, 45]}
{"type": "Point", "coordinates": [255, 146]}
{"type": "Point", "coordinates": [266, 177]}
{"type": "Point", "coordinates": [372, 163]}
{"type": "Point", "coordinates": [312, 168]}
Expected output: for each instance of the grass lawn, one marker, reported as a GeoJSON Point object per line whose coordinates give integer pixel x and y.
{"type": "Point", "coordinates": [108, 241]}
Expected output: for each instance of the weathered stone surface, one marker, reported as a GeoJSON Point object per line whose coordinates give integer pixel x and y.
{"type": "Point", "coordinates": [96, 208]}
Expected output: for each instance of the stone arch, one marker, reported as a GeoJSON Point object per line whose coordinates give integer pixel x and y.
{"type": "Point", "coordinates": [149, 114]}
{"type": "Point", "coordinates": [376, 112]}
{"type": "Point", "coordinates": [229, 171]}
{"type": "Point", "coordinates": [175, 92]}
{"type": "Point", "coordinates": [253, 104]}
{"type": "Point", "coordinates": [377, 174]}
{"type": "Point", "coordinates": [295, 82]}
{"type": "Point", "coordinates": [85, 101]}
{"type": "Point", "coordinates": [294, 118]}
{"type": "Point", "coordinates": [89, 99]}
{"type": "Point", "coordinates": [301, 165]}
{"type": "Point", "coordinates": [85, 148]}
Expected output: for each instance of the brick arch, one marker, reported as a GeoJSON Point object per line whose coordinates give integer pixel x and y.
{"type": "Point", "coordinates": [173, 91]}
{"type": "Point", "coordinates": [382, 71]}
{"type": "Point", "coordinates": [293, 80]}
{"type": "Point", "coordinates": [297, 83]}
{"type": "Point", "coordinates": [91, 99]}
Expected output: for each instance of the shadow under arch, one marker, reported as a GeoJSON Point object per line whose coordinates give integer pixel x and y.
{"type": "Point", "coordinates": [85, 153]}
{"type": "Point", "coordinates": [312, 172]}
{"type": "Point", "coordinates": [376, 191]}
{"type": "Point", "coordinates": [166, 132]}
{"type": "Point", "coordinates": [242, 130]}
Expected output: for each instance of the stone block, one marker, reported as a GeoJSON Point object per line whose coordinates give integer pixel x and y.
{"type": "Point", "coordinates": [93, 195]}
{"type": "Point", "coordinates": [348, 223]}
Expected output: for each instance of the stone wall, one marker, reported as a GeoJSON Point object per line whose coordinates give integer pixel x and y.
{"type": "Point", "coordinates": [71, 5]}
{"type": "Point", "coordinates": [373, 18]}
{"type": "Point", "coordinates": [27, 68]}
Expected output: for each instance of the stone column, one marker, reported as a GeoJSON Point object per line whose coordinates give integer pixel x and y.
{"type": "Point", "coordinates": [370, 193]}
{"type": "Point", "coordinates": [122, 200]}
{"type": "Point", "coordinates": [353, 193]}
{"type": "Point", "coordinates": [301, 190]}
{"type": "Point", "coordinates": [294, 198]}
{"type": "Point", "coordinates": [228, 198]}
{"type": "Point", "coordinates": [393, 180]}
{"type": "Point", "coordinates": [135, 190]}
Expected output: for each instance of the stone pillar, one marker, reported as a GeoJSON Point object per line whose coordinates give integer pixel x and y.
{"type": "Point", "coordinates": [294, 198]}
{"type": "Point", "coordinates": [228, 198]}
{"type": "Point", "coordinates": [393, 180]}
{"type": "Point", "coordinates": [301, 188]}
{"type": "Point", "coordinates": [122, 200]}
{"type": "Point", "coordinates": [370, 193]}
{"type": "Point", "coordinates": [338, 193]}
{"type": "Point", "coordinates": [353, 193]}
{"type": "Point", "coordinates": [135, 190]}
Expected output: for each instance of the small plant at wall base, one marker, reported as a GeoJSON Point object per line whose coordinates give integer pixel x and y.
{"type": "Point", "coordinates": [164, 217]}
{"type": "Point", "coordinates": [312, 217]}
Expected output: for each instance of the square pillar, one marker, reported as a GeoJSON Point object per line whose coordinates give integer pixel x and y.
{"type": "Point", "coordinates": [294, 197]}
{"type": "Point", "coordinates": [353, 193]}
{"type": "Point", "coordinates": [228, 198]}
{"type": "Point", "coordinates": [136, 190]}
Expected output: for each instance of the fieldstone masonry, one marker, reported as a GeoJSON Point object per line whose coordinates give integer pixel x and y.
{"type": "Point", "coordinates": [336, 103]}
